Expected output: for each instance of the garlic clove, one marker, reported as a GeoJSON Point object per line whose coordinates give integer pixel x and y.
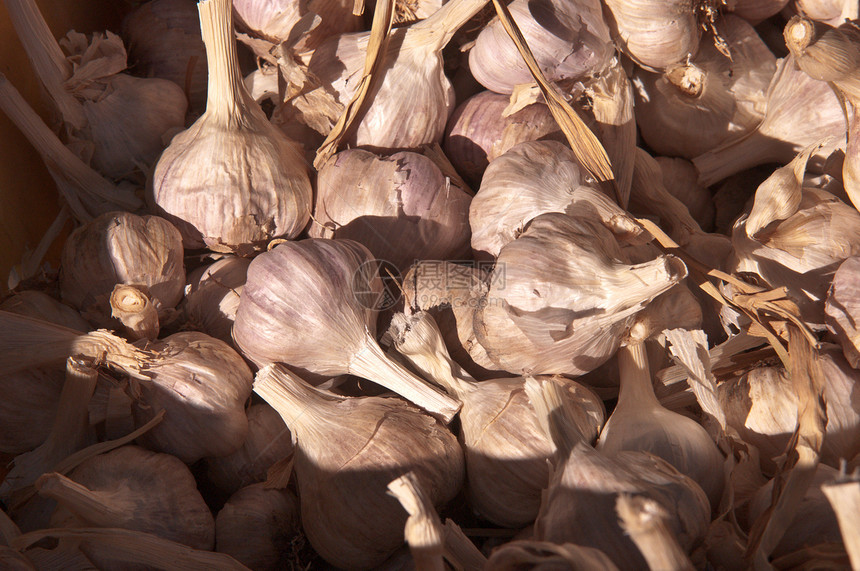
{"type": "Point", "coordinates": [312, 304]}
{"type": "Point", "coordinates": [480, 130]}
{"type": "Point", "coordinates": [134, 489]}
{"type": "Point", "coordinates": [346, 513]}
{"type": "Point", "coordinates": [163, 40]}
{"type": "Point", "coordinates": [560, 298]}
{"type": "Point", "coordinates": [272, 196]}
{"type": "Point", "coordinates": [568, 39]}
{"type": "Point", "coordinates": [268, 441]}
{"type": "Point", "coordinates": [401, 207]}
{"type": "Point", "coordinates": [695, 105]}
{"type": "Point", "coordinates": [256, 527]}
{"type": "Point", "coordinates": [121, 248]}
{"type": "Point", "coordinates": [534, 178]}
{"type": "Point", "coordinates": [212, 296]}
{"type": "Point", "coordinates": [842, 307]}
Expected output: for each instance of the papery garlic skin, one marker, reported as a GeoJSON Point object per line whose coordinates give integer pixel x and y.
{"type": "Point", "coordinates": [401, 207]}
{"type": "Point", "coordinates": [842, 309]}
{"type": "Point", "coordinates": [203, 385]}
{"type": "Point", "coordinates": [478, 131]}
{"type": "Point", "coordinates": [694, 106]}
{"type": "Point", "coordinates": [560, 298]}
{"type": "Point", "coordinates": [534, 178]}
{"type": "Point", "coordinates": [833, 12]}
{"type": "Point", "coordinates": [134, 489]}
{"type": "Point", "coordinates": [256, 526]}
{"type": "Point", "coordinates": [280, 21]}
{"type": "Point", "coordinates": [681, 179]}
{"type": "Point", "coordinates": [232, 181]}
{"type": "Point", "coordinates": [757, 10]}
{"type": "Point", "coordinates": [212, 296]}
{"type": "Point", "coordinates": [121, 248]}
{"type": "Point", "coordinates": [569, 40]}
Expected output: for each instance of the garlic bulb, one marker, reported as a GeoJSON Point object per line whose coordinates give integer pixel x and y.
{"type": "Point", "coordinates": [833, 12]}
{"type": "Point", "coordinates": [401, 207]}
{"type": "Point", "coordinates": [87, 193]}
{"type": "Point", "coordinates": [762, 406]}
{"type": "Point", "coordinates": [232, 181]}
{"type": "Point", "coordinates": [534, 178]}
{"type": "Point", "coordinates": [696, 105]}
{"type": "Point", "coordinates": [519, 554]}
{"type": "Point", "coordinates": [479, 131]}
{"type": "Point", "coordinates": [268, 441]}
{"type": "Point", "coordinates": [640, 423]}
{"type": "Point", "coordinates": [757, 10]}
{"type": "Point", "coordinates": [136, 489]}
{"type": "Point", "coordinates": [580, 502]}
{"type": "Point", "coordinates": [116, 119]}
{"type": "Point", "coordinates": [312, 305]}
{"type": "Point", "coordinates": [346, 513]}
{"type": "Point", "coordinates": [656, 34]}
{"type": "Point", "coordinates": [121, 248]}
{"type": "Point", "coordinates": [827, 54]}
{"type": "Point", "coordinates": [212, 296]}
{"type": "Point", "coordinates": [506, 449]}
{"type": "Point", "coordinates": [163, 40]}
{"type": "Point", "coordinates": [278, 21]}
{"type": "Point", "coordinates": [569, 40]}
{"type": "Point", "coordinates": [814, 522]}
{"type": "Point", "coordinates": [795, 236]}
{"type": "Point", "coordinates": [256, 526]}
{"type": "Point", "coordinates": [411, 98]}
{"type": "Point", "coordinates": [561, 296]}
{"type": "Point", "coordinates": [203, 385]}
{"type": "Point", "coordinates": [681, 179]}
{"type": "Point", "coordinates": [842, 309]}
{"type": "Point", "coordinates": [792, 122]}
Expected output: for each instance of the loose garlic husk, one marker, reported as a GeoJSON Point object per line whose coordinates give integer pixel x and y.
{"type": "Point", "coordinates": [256, 526]}
{"type": "Point", "coordinates": [534, 178]}
{"type": "Point", "coordinates": [121, 248]}
{"type": "Point", "coordinates": [800, 111]}
{"type": "Point", "coordinates": [231, 160]}
{"type": "Point", "coordinates": [313, 305]}
{"type": "Point", "coordinates": [346, 513]}
{"type": "Point", "coordinates": [842, 309]}
{"type": "Point", "coordinates": [506, 449]}
{"type": "Point", "coordinates": [794, 236]}
{"type": "Point", "coordinates": [569, 40]}
{"type": "Point", "coordinates": [640, 423]}
{"type": "Point", "coordinates": [814, 521]}
{"type": "Point", "coordinates": [401, 207]}
{"type": "Point", "coordinates": [695, 105]}
{"type": "Point", "coordinates": [117, 119]}
{"type": "Point", "coordinates": [163, 40]}
{"type": "Point", "coordinates": [268, 441]}
{"type": "Point", "coordinates": [212, 297]}
{"type": "Point", "coordinates": [478, 131]}
{"type": "Point", "coordinates": [561, 296]}
{"type": "Point", "coordinates": [423, 530]}
{"type": "Point", "coordinates": [411, 99]}
{"type": "Point", "coordinates": [580, 502]}
{"type": "Point", "coordinates": [656, 34]}
{"type": "Point", "coordinates": [135, 489]}
{"type": "Point", "coordinates": [761, 405]}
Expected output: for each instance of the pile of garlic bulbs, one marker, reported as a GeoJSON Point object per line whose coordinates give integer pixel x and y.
{"type": "Point", "coordinates": [439, 285]}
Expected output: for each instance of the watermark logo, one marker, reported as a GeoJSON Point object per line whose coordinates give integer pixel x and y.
{"type": "Point", "coordinates": [376, 285]}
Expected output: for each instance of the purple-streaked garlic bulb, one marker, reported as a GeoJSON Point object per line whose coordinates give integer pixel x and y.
{"type": "Point", "coordinates": [401, 207]}
{"type": "Point", "coordinates": [569, 40]}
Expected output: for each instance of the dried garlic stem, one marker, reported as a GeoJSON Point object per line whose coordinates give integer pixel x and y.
{"type": "Point", "coordinates": [845, 499]}
{"type": "Point", "coordinates": [423, 530]}
{"type": "Point", "coordinates": [87, 192]}
{"type": "Point", "coordinates": [459, 549]}
{"type": "Point", "coordinates": [99, 509]}
{"type": "Point", "coordinates": [48, 60]}
{"type": "Point", "coordinates": [445, 22]}
{"type": "Point", "coordinates": [636, 387]}
{"type": "Point", "coordinates": [226, 91]}
{"type": "Point", "coordinates": [135, 310]}
{"type": "Point", "coordinates": [370, 362]}
{"type": "Point", "coordinates": [647, 523]}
